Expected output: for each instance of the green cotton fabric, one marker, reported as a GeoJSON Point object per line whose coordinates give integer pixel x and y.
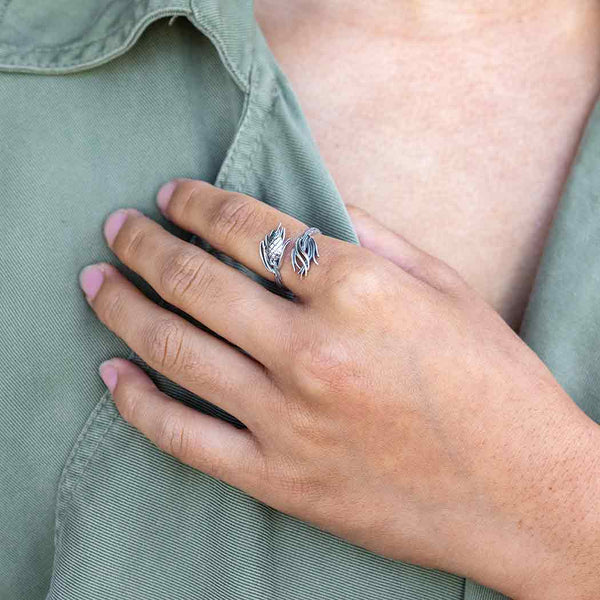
{"type": "Point", "coordinates": [102, 101]}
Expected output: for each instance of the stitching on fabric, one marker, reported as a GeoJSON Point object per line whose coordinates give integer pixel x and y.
{"type": "Point", "coordinates": [111, 32]}
{"type": "Point", "coordinates": [67, 487]}
{"type": "Point", "coordinates": [121, 48]}
{"type": "Point", "coordinates": [132, 36]}
{"type": "Point", "coordinates": [88, 462]}
{"type": "Point", "coordinates": [84, 431]}
{"type": "Point", "coordinates": [66, 490]}
{"type": "Point", "coordinates": [234, 150]}
{"type": "Point", "coordinates": [247, 121]}
{"type": "Point", "coordinates": [135, 31]}
{"type": "Point", "coordinates": [217, 41]}
{"type": "Point", "coordinates": [62, 484]}
{"type": "Point", "coordinates": [259, 137]}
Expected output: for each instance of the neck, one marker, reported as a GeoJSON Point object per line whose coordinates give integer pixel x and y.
{"type": "Point", "coordinates": [426, 18]}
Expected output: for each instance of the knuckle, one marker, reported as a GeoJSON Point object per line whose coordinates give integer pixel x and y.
{"type": "Point", "coordinates": [164, 340]}
{"type": "Point", "coordinates": [298, 485]}
{"type": "Point", "coordinates": [185, 275]}
{"type": "Point", "coordinates": [234, 217]}
{"type": "Point", "coordinates": [113, 310]}
{"type": "Point", "coordinates": [129, 242]}
{"type": "Point", "coordinates": [128, 401]}
{"type": "Point", "coordinates": [360, 286]}
{"type": "Point", "coordinates": [204, 460]}
{"type": "Point", "coordinates": [174, 436]}
{"type": "Point", "coordinates": [184, 196]}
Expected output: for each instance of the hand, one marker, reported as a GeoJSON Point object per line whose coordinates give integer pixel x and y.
{"type": "Point", "coordinates": [387, 404]}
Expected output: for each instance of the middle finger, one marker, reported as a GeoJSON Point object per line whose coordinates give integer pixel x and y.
{"type": "Point", "coordinates": [219, 296]}
{"type": "Point", "coordinates": [235, 224]}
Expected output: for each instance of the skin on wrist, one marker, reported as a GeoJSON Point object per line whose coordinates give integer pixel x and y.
{"type": "Point", "coordinates": [555, 553]}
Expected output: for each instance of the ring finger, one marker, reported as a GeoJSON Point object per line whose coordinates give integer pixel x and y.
{"type": "Point", "coordinates": [236, 224]}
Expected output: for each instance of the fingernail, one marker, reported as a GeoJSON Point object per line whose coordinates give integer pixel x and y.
{"type": "Point", "coordinates": [164, 195]}
{"type": "Point", "coordinates": [115, 222]}
{"type": "Point", "coordinates": [108, 374]}
{"type": "Point", "coordinates": [90, 280]}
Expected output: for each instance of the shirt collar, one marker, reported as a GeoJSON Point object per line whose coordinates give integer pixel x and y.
{"type": "Point", "coordinates": [42, 37]}
{"type": "Point", "coordinates": [231, 26]}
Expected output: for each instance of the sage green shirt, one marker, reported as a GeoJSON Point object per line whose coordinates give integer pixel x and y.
{"type": "Point", "coordinates": [102, 101]}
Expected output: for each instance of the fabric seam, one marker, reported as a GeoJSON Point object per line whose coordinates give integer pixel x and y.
{"type": "Point", "coordinates": [217, 41]}
{"type": "Point", "coordinates": [259, 137]}
{"type": "Point", "coordinates": [75, 45]}
{"type": "Point", "coordinates": [70, 477]}
{"type": "Point", "coordinates": [74, 66]}
{"type": "Point", "coordinates": [136, 27]}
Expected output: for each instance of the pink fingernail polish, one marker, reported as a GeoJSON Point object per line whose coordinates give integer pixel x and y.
{"type": "Point", "coordinates": [108, 374]}
{"type": "Point", "coordinates": [90, 280]}
{"type": "Point", "coordinates": [164, 195]}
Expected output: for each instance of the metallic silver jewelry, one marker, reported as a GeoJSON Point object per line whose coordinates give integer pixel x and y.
{"type": "Point", "coordinates": [304, 251]}
{"type": "Point", "coordinates": [271, 251]}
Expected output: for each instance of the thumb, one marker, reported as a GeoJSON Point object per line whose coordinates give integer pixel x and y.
{"type": "Point", "coordinates": [381, 240]}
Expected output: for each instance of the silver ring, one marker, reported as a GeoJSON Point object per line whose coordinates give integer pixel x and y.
{"type": "Point", "coordinates": [271, 251]}
{"type": "Point", "coordinates": [304, 251]}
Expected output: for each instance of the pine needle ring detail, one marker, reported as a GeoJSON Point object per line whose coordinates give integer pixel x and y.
{"type": "Point", "coordinates": [271, 251]}
{"type": "Point", "coordinates": [304, 251]}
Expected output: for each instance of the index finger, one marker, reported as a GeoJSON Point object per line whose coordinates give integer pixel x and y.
{"type": "Point", "coordinates": [236, 224]}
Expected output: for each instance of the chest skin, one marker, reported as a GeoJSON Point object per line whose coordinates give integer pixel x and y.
{"type": "Point", "coordinates": [462, 143]}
